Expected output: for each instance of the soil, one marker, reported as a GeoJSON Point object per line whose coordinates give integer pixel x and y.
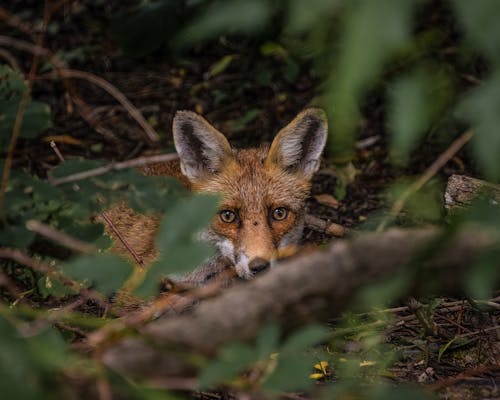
{"type": "Point", "coordinates": [159, 86]}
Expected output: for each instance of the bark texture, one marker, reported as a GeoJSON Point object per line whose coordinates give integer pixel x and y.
{"type": "Point", "coordinates": [310, 287]}
{"type": "Point", "coordinates": [461, 190]}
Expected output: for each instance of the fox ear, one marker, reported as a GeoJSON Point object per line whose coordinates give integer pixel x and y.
{"type": "Point", "coordinates": [202, 149]}
{"type": "Point", "coordinates": [298, 146]}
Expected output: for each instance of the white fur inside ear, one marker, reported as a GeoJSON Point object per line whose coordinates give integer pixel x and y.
{"type": "Point", "coordinates": [202, 148]}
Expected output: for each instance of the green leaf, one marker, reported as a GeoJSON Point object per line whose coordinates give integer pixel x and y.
{"type": "Point", "coordinates": [482, 279]}
{"type": "Point", "coordinates": [480, 108]}
{"type": "Point", "coordinates": [267, 340]}
{"type": "Point", "coordinates": [366, 45]}
{"type": "Point", "coordinates": [19, 378]}
{"type": "Point", "coordinates": [304, 338]}
{"type": "Point", "coordinates": [303, 15]}
{"type": "Point", "coordinates": [226, 17]}
{"type": "Point", "coordinates": [292, 373]}
{"type": "Point", "coordinates": [415, 101]}
{"type": "Point", "coordinates": [231, 361]}
{"type": "Point", "coordinates": [180, 249]}
{"type": "Point", "coordinates": [52, 287]}
{"type": "Point", "coordinates": [36, 117]}
{"type": "Point", "coordinates": [221, 65]}
{"type": "Point", "coordinates": [480, 20]}
{"type": "Point", "coordinates": [443, 349]}
{"type": "Point", "coordinates": [16, 236]}
{"type": "Point", "coordinates": [106, 272]}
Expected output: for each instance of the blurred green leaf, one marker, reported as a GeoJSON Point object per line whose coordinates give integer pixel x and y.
{"type": "Point", "coordinates": [221, 65]}
{"type": "Point", "coordinates": [180, 248]}
{"type": "Point", "coordinates": [52, 287]}
{"type": "Point", "coordinates": [480, 20]}
{"type": "Point", "coordinates": [16, 236]}
{"type": "Point", "coordinates": [106, 272]}
{"type": "Point", "coordinates": [292, 373]}
{"type": "Point", "coordinates": [303, 15]}
{"type": "Point", "coordinates": [415, 101]}
{"type": "Point", "coordinates": [367, 43]}
{"type": "Point", "coordinates": [226, 17]}
{"type": "Point", "coordinates": [482, 280]}
{"type": "Point", "coordinates": [19, 378]}
{"type": "Point", "coordinates": [480, 108]}
{"type": "Point", "coordinates": [231, 361]}
{"type": "Point", "coordinates": [36, 116]}
{"type": "Point", "coordinates": [267, 340]}
{"type": "Point", "coordinates": [304, 338]}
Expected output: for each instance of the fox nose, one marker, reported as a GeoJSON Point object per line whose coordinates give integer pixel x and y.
{"type": "Point", "coordinates": [258, 264]}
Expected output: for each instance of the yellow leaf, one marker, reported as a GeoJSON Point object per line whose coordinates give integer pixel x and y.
{"type": "Point", "coordinates": [316, 375]}
{"type": "Point", "coordinates": [322, 365]}
{"type": "Point", "coordinates": [367, 363]}
{"type": "Point", "coordinates": [66, 139]}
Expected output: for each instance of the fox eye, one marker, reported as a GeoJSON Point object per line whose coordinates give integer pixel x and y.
{"type": "Point", "coordinates": [227, 216]}
{"type": "Point", "coordinates": [279, 214]}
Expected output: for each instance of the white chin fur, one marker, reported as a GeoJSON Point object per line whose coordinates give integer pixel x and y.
{"type": "Point", "coordinates": [242, 268]}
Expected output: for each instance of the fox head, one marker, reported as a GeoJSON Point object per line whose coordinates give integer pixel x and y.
{"type": "Point", "coordinates": [263, 189]}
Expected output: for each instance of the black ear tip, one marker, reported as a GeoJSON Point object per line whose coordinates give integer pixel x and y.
{"type": "Point", "coordinates": [315, 112]}
{"type": "Point", "coordinates": [183, 115]}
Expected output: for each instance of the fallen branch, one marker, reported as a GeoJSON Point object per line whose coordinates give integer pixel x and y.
{"type": "Point", "coordinates": [312, 287]}
{"type": "Point", "coordinates": [429, 173]}
{"type": "Point", "coordinates": [321, 225]}
{"type": "Point", "coordinates": [60, 237]}
{"type": "Point", "coordinates": [134, 163]}
{"type": "Point", "coordinates": [462, 190]}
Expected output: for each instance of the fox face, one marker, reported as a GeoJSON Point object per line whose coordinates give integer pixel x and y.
{"type": "Point", "coordinates": [263, 189]}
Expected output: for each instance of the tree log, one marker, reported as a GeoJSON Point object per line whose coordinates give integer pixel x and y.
{"type": "Point", "coordinates": [310, 287]}
{"type": "Point", "coordinates": [462, 190]}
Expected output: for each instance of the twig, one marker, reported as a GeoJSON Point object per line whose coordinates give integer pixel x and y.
{"type": "Point", "coordinates": [321, 225]}
{"type": "Point", "coordinates": [60, 237]}
{"type": "Point", "coordinates": [122, 239]}
{"type": "Point", "coordinates": [12, 144]}
{"type": "Point", "coordinates": [64, 72]}
{"type": "Point", "coordinates": [16, 131]}
{"type": "Point", "coordinates": [22, 258]}
{"type": "Point", "coordinates": [135, 162]}
{"type": "Point", "coordinates": [433, 169]}
{"type": "Point", "coordinates": [119, 96]}
{"type": "Point", "coordinates": [56, 150]}
{"type": "Point", "coordinates": [15, 22]}
{"type": "Point", "coordinates": [10, 59]}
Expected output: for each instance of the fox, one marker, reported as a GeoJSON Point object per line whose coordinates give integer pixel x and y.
{"type": "Point", "coordinates": [263, 191]}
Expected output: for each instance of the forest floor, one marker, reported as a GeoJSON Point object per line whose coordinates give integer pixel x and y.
{"type": "Point", "coordinates": [247, 96]}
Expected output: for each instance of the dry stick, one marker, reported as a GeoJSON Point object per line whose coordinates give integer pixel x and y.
{"type": "Point", "coordinates": [64, 72]}
{"type": "Point", "coordinates": [60, 237]}
{"type": "Point", "coordinates": [22, 258]}
{"type": "Point", "coordinates": [122, 239]}
{"type": "Point", "coordinates": [10, 59]}
{"type": "Point", "coordinates": [135, 162]}
{"type": "Point", "coordinates": [433, 169]}
{"type": "Point", "coordinates": [119, 96]}
{"type": "Point", "coordinates": [16, 131]}
{"type": "Point", "coordinates": [16, 22]}
{"type": "Point", "coordinates": [105, 217]}
{"type": "Point", "coordinates": [56, 150]}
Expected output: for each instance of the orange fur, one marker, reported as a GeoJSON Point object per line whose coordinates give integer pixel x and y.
{"type": "Point", "coordinates": [264, 189]}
